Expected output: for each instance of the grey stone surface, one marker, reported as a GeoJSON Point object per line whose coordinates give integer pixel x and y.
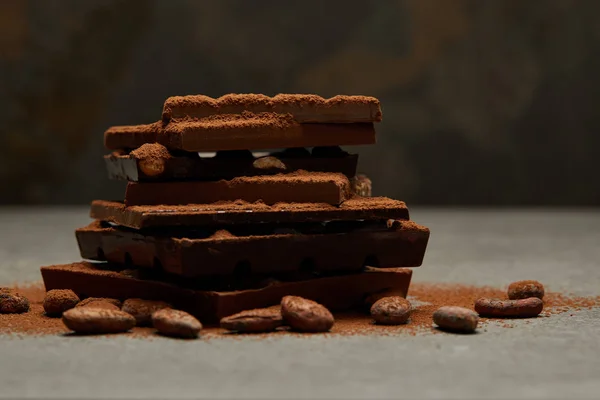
{"type": "Point", "coordinates": [544, 358]}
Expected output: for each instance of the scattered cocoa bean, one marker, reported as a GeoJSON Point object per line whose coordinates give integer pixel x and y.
{"type": "Point", "coordinates": [393, 310]}
{"type": "Point", "coordinates": [305, 315]}
{"type": "Point", "coordinates": [523, 308]}
{"type": "Point", "coordinates": [58, 301]}
{"type": "Point", "coordinates": [94, 300]}
{"type": "Point", "coordinates": [525, 289]}
{"type": "Point", "coordinates": [89, 320]}
{"type": "Point", "coordinates": [12, 302]}
{"type": "Point", "coordinates": [176, 323]}
{"type": "Point", "coordinates": [456, 319]}
{"type": "Point", "coordinates": [142, 310]}
{"type": "Point", "coordinates": [252, 321]}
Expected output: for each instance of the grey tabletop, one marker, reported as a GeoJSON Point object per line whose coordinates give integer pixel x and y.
{"type": "Point", "coordinates": [555, 357]}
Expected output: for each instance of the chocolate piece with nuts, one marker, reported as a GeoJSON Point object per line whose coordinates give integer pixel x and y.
{"type": "Point", "coordinates": [153, 162]}
{"type": "Point", "coordinates": [239, 212]}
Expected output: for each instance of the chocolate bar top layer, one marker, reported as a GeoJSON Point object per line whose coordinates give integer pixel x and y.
{"type": "Point", "coordinates": [296, 187]}
{"type": "Point", "coordinates": [330, 247]}
{"type": "Point", "coordinates": [302, 107]}
{"type": "Point", "coordinates": [238, 132]}
{"type": "Point", "coordinates": [337, 292]}
{"type": "Point", "coordinates": [241, 212]}
{"type": "Point", "coordinates": [153, 162]}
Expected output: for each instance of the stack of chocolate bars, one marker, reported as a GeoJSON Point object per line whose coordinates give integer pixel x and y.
{"type": "Point", "coordinates": [235, 230]}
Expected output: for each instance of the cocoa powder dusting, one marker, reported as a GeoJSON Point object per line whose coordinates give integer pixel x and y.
{"type": "Point", "coordinates": [233, 121]}
{"type": "Point", "coordinates": [425, 297]}
{"type": "Point", "coordinates": [151, 150]}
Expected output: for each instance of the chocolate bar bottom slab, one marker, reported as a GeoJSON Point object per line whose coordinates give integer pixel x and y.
{"type": "Point", "coordinates": [192, 167]}
{"type": "Point", "coordinates": [342, 246]}
{"type": "Point", "coordinates": [240, 212]}
{"type": "Point", "coordinates": [338, 293]}
{"type": "Point", "coordinates": [300, 187]}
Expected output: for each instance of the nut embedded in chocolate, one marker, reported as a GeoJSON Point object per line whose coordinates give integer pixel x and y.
{"type": "Point", "coordinates": [525, 289]}
{"type": "Point", "coordinates": [88, 320]}
{"type": "Point", "coordinates": [305, 315]}
{"type": "Point", "coordinates": [58, 301]}
{"type": "Point", "coordinates": [393, 310]}
{"type": "Point", "coordinates": [142, 310]}
{"type": "Point", "coordinates": [176, 323]}
{"type": "Point", "coordinates": [12, 303]}
{"type": "Point", "coordinates": [362, 185]}
{"type": "Point", "coordinates": [268, 162]}
{"type": "Point", "coordinates": [254, 321]}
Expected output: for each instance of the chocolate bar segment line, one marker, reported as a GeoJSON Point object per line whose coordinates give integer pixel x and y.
{"type": "Point", "coordinates": [303, 107]}
{"type": "Point", "coordinates": [402, 245]}
{"type": "Point", "coordinates": [127, 167]}
{"type": "Point", "coordinates": [339, 292]}
{"type": "Point", "coordinates": [232, 133]}
{"type": "Point", "coordinates": [296, 187]}
{"type": "Point", "coordinates": [239, 212]}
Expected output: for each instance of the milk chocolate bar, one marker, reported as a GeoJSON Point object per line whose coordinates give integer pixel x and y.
{"type": "Point", "coordinates": [303, 107]}
{"type": "Point", "coordinates": [337, 292]}
{"type": "Point", "coordinates": [153, 162]}
{"type": "Point", "coordinates": [238, 132]}
{"type": "Point", "coordinates": [297, 187]}
{"type": "Point", "coordinates": [335, 247]}
{"type": "Point", "coordinates": [240, 212]}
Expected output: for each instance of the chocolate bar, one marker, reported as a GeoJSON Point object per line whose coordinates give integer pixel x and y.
{"type": "Point", "coordinates": [318, 247]}
{"type": "Point", "coordinates": [238, 132]}
{"type": "Point", "coordinates": [240, 212]}
{"type": "Point", "coordinates": [296, 187]}
{"type": "Point", "coordinates": [153, 162]}
{"type": "Point", "coordinates": [337, 292]}
{"type": "Point", "coordinates": [303, 107]}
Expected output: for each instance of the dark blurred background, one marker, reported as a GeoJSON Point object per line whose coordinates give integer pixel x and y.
{"type": "Point", "coordinates": [485, 102]}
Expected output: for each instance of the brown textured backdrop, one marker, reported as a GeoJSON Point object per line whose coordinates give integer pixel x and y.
{"type": "Point", "coordinates": [485, 102]}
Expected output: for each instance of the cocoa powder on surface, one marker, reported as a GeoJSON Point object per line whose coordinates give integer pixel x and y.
{"type": "Point", "coordinates": [425, 297]}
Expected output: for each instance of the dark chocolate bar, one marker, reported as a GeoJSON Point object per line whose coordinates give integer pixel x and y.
{"type": "Point", "coordinates": [238, 132]}
{"type": "Point", "coordinates": [148, 163]}
{"type": "Point", "coordinates": [337, 292]}
{"type": "Point", "coordinates": [239, 212]}
{"type": "Point", "coordinates": [302, 107]}
{"type": "Point", "coordinates": [330, 247]}
{"type": "Point", "coordinates": [297, 187]}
